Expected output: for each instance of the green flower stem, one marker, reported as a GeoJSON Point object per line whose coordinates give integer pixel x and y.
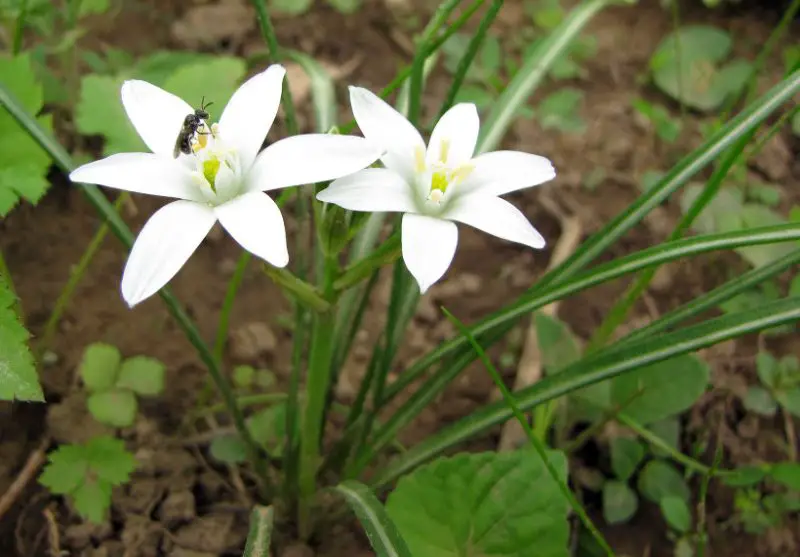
{"type": "Point", "coordinates": [537, 444]}
{"type": "Point", "coordinates": [423, 50]}
{"type": "Point", "coordinates": [317, 385]}
{"type": "Point", "coordinates": [387, 253]}
{"type": "Point", "coordinates": [227, 305]}
{"type": "Point", "coordinates": [268, 32]}
{"type": "Point", "coordinates": [302, 291]}
{"type": "Point", "coordinates": [76, 275]}
{"type": "Point", "coordinates": [469, 56]}
{"type": "Point", "coordinates": [121, 230]}
{"type": "Point", "coordinates": [437, 43]}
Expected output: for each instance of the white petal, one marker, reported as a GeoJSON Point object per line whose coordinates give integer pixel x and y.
{"type": "Point", "coordinates": [156, 114]}
{"type": "Point", "coordinates": [140, 173]}
{"type": "Point", "coordinates": [373, 189]}
{"type": "Point", "coordinates": [429, 245]}
{"type": "Point", "coordinates": [308, 159]}
{"type": "Point", "coordinates": [389, 129]}
{"type": "Point", "coordinates": [167, 240]}
{"type": "Point", "coordinates": [495, 216]}
{"type": "Point", "coordinates": [502, 172]}
{"type": "Point", "coordinates": [251, 111]}
{"type": "Point", "coordinates": [458, 128]}
{"type": "Point", "coordinates": [255, 221]}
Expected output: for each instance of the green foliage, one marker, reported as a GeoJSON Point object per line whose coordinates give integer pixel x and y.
{"type": "Point", "coordinates": [786, 474]}
{"type": "Point", "coordinates": [780, 386]}
{"type": "Point", "coordinates": [113, 383]}
{"type": "Point", "coordinates": [482, 504]}
{"type": "Point", "coordinates": [745, 476]}
{"type": "Point", "coordinates": [660, 479]}
{"type": "Point", "coordinates": [669, 431]}
{"type": "Point", "coordinates": [299, 7]}
{"type": "Point", "coordinates": [619, 502]}
{"type": "Point", "coordinates": [268, 428]}
{"type": "Point", "coordinates": [676, 512]}
{"type": "Point", "coordinates": [23, 163]}
{"type": "Point", "coordinates": [688, 67]}
{"type": "Point", "coordinates": [661, 390]}
{"type": "Point", "coordinates": [100, 112]}
{"type": "Point", "coordinates": [667, 128]}
{"type": "Point", "coordinates": [561, 110]}
{"type": "Point", "coordinates": [18, 377]}
{"type": "Point", "coordinates": [626, 455]}
{"type": "Point", "coordinates": [259, 535]}
{"type": "Point", "coordinates": [86, 473]}
{"type": "Point", "coordinates": [229, 449]}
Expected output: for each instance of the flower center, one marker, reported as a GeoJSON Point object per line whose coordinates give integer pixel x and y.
{"type": "Point", "coordinates": [443, 176]}
{"type": "Point", "coordinates": [215, 165]}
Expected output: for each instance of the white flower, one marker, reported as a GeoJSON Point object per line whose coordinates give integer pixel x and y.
{"type": "Point", "coordinates": [223, 179]}
{"type": "Point", "coordinates": [437, 185]}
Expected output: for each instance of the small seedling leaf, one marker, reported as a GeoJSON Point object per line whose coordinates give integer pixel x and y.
{"type": "Point", "coordinates": [660, 479]}
{"type": "Point", "coordinates": [116, 407]}
{"type": "Point", "coordinates": [758, 400]}
{"type": "Point", "coordinates": [676, 513]}
{"type": "Point", "coordinates": [790, 400]}
{"type": "Point", "coordinates": [65, 470]}
{"type": "Point", "coordinates": [767, 368]}
{"type": "Point", "coordinates": [243, 376]}
{"type": "Point", "coordinates": [142, 375]}
{"type": "Point", "coordinates": [100, 366]}
{"type": "Point", "coordinates": [229, 449]}
{"type": "Point", "coordinates": [787, 473]}
{"type": "Point", "coordinates": [268, 428]}
{"type": "Point", "coordinates": [220, 77]}
{"type": "Point", "coordinates": [626, 455]}
{"type": "Point", "coordinates": [745, 476]}
{"type": "Point", "coordinates": [561, 110]}
{"type": "Point", "coordinates": [109, 460]}
{"type": "Point", "coordinates": [619, 502]}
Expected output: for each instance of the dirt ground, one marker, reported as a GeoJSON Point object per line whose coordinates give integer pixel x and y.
{"type": "Point", "coordinates": [180, 505]}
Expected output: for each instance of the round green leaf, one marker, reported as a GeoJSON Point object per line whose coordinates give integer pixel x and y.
{"type": "Point", "coordinates": [767, 368]}
{"type": "Point", "coordinates": [116, 407]}
{"type": "Point", "coordinates": [619, 502]}
{"type": "Point", "coordinates": [626, 454]}
{"type": "Point", "coordinates": [214, 80]}
{"type": "Point", "coordinates": [790, 400]}
{"type": "Point", "coordinates": [676, 513]}
{"type": "Point", "coordinates": [243, 376]}
{"type": "Point", "coordinates": [228, 448]}
{"type": "Point", "coordinates": [142, 375]}
{"type": "Point", "coordinates": [666, 388]}
{"type": "Point", "coordinates": [669, 430]}
{"type": "Point", "coordinates": [759, 400]}
{"type": "Point", "coordinates": [660, 479]}
{"type": "Point", "coordinates": [787, 473]}
{"type": "Point", "coordinates": [745, 476]}
{"type": "Point", "coordinates": [268, 428]}
{"type": "Point", "coordinates": [99, 366]}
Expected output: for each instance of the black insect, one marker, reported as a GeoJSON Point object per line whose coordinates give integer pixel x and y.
{"type": "Point", "coordinates": [189, 129]}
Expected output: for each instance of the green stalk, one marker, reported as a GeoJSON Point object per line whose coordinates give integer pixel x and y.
{"type": "Point", "coordinates": [389, 251]}
{"type": "Point", "coordinates": [121, 230]}
{"type": "Point", "coordinates": [268, 32]}
{"type": "Point", "coordinates": [227, 304]}
{"type": "Point", "coordinates": [469, 56]}
{"type": "Point", "coordinates": [423, 51]}
{"type": "Point", "coordinates": [76, 275]}
{"type": "Point", "coordinates": [537, 444]}
{"type": "Point", "coordinates": [19, 28]}
{"type": "Point", "coordinates": [302, 291]}
{"type": "Point", "coordinates": [318, 382]}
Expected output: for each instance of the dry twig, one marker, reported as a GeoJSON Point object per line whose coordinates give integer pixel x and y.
{"type": "Point", "coordinates": [34, 462]}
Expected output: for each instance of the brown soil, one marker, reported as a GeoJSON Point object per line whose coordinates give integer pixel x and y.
{"type": "Point", "coordinates": [180, 505]}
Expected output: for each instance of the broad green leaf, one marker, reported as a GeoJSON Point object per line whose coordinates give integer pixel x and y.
{"type": "Point", "coordinates": [99, 366]}
{"type": "Point", "coordinates": [669, 431]}
{"type": "Point", "coordinates": [765, 193]}
{"type": "Point", "coordinates": [23, 163]}
{"type": "Point", "coordinates": [676, 512]}
{"type": "Point", "coordinates": [229, 449]}
{"type": "Point", "coordinates": [115, 407]}
{"type": "Point", "coordinates": [384, 537]}
{"type": "Point", "coordinates": [753, 216]}
{"type": "Point", "coordinates": [786, 473]}
{"type": "Point", "coordinates": [767, 369]}
{"type": "Point", "coordinates": [142, 375]}
{"type": "Point", "coordinates": [213, 81]}
{"type": "Point", "coordinates": [745, 476]}
{"type": "Point", "coordinates": [260, 534]}
{"type": "Point", "coordinates": [557, 344]}
{"type": "Point", "coordinates": [790, 400]}
{"type": "Point", "coordinates": [18, 377]}
{"type": "Point", "coordinates": [109, 460]}
{"type": "Point", "coordinates": [561, 110]}
{"type": "Point", "coordinates": [760, 401]}
{"type": "Point", "coordinates": [626, 455]}
{"type": "Point", "coordinates": [661, 390]}
{"type": "Point", "coordinates": [660, 479]}
{"type": "Point", "coordinates": [92, 499]}
{"type": "Point", "coordinates": [268, 428]}
{"type": "Point", "coordinates": [100, 112]}
{"type": "Point", "coordinates": [65, 470]}
{"type": "Point", "coordinates": [499, 504]}
{"type": "Point", "coordinates": [160, 65]}
{"type": "Point", "coordinates": [619, 502]}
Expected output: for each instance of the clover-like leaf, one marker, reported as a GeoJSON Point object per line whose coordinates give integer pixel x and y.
{"type": "Point", "coordinates": [142, 375]}
{"type": "Point", "coordinates": [229, 449]}
{"type": "Point", "coordinates": [219, 77]}
{"type": "Point", "coordinates": [561, 110]}
{"type": "Point", "coordinates": [626, 454]}
{"type": "Point", "coordinates": [18, 378]}
{"type": "Point", "coordinates": [499, 504]}
{"type": "Point", "coordinates": [669, 431]}
{"type": "Point", "coordinates": [760, 401]}
{"type": "Point", "coordinates": [676, 512]}
{"type": "Point", "coordinates": [99, 366]}
{"type": "Point", "coordinates": [115, 407]}
{"type": "Point", "coordinates": [660, 479]}
{"type": "Point", "coordinates": [268, 428]}
{"type": "Point", "coordinates": [100, 112]}
{"type": "Point", "coordinates": [619, 502]}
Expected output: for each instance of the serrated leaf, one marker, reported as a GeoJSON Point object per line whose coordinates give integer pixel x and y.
{"type": "Point", "coordinates": [23, 163]}
{"type": "Point", "coordinates": [760, 401]}
{"type": "Point", "coordinates": [92, 500]}
{"type": "Point", "coordinates": [661, 390]}
{"type": "Point", "coordinates": [228, 448]}
{"type": "Point", "coordinates": [159, 65]}
{"type": "Point", "coordinates": [99, 366]}
{"type": "Point", "coordinates": [100, 112]}
{"type": "Point", "coordinates": [499, 504]}
{"type": "Point", "coordinates": [786, 473]}
{"type": "Point", "coordinates": [18, 377]}
{"type": "Point", "coordinates": [213, 81]}
{"type": "Point", "coordinates": [114, 407]}
{"type": "Point", "coordinates": [669, 431]}
{"type": "Point", "coordinates": [676, 513]}
{"type": "Point", "coordinates": [109, 460]}
{"type": "Point", "coordinates": [660, 479]}
{"type": "Point", "coordinates": [65, 470]}
{"type": "Point", "coordinates": [619, 502]}
{"type": "Point", "coordinates": [142, 375]}
{"type": "Point", "coordinates": [626, 455]}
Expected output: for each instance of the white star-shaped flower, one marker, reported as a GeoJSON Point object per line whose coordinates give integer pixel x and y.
{"type": "Point", "coordinates": [223, 178]}
{"type": "Point", "coordinates": [437, 185]}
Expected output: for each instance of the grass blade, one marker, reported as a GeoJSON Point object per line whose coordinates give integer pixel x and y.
{"type": "Point", "coordinates": [260, 534]}
{"type": "Point", "coordinates": [323, 93]}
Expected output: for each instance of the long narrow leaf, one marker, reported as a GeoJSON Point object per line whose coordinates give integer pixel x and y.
{"type": "Point", "coordinates": [603, 365]}
{"type": "Point", "coordinates": [323, 93]}
{"type": "Point", "coordinates": [381, 531]}
{"type": "Point", "coordinates": [260, 534]}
